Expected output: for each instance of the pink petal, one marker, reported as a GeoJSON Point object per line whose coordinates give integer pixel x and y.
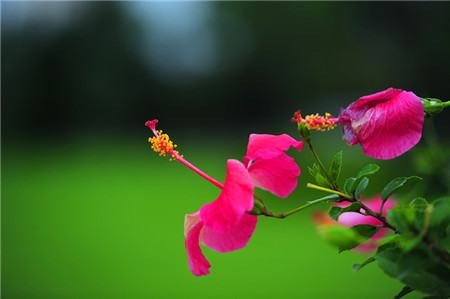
{"type": "Point", "coordinates": [277, 175]}
{"type": "Point", "coordinates": [269, 166]}
{"type": "Point", "coordinates": [235, 199]}
{"type": "Point", "coordinates": [351, 219]}
{"type": "Point", "coordinates": [197, 262]}
{"type": "Point", "coordinates": [236, 237]}
{"type": "Point", "coordinates": [266, 146]}
{"type": "Point", "coordinates": [386, 124]}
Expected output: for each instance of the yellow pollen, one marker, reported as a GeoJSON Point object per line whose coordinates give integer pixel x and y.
{"type": "Point", "coordinates": [320, 123]}
{"type": "Point", "coordinates": [164, 146]}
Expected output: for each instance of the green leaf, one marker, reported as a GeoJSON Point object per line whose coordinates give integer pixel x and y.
{"type": "Point", "coordinates": [368, 170]}
{"type": "Point", "coordinates": [400, 218]}
{"type": "Point", "coordinates": [415, 268]}
{"type": "Point", "coordinates": [361, 187]}
{"type": "Point", "coordinates": [441, 213]}
{"type": "Point", "coordinates": [316, 173]}
{"type": "Point", "coordinates": [357, 267]}
{"type": "Point", "coordinates": [349, 185]}
{"type": "Point", "coordinates": [394, 185]}
{"type": "Point", "coordinates": [340, 236]}
{"type": "Point", "coordinates": [419, 202]}
{"type": "Point", "coordinates": [366, 231]}
{"type": "Point", "coordinates": [345, 238]}
{"type": "Point", "coordinates": [336, 166]}
{"type": "Point", "coordinates": [335, 212]}
{"type": "Point", "coordinates": [421, 208]}
{"type": "Point", "coordinates": [405, 291]}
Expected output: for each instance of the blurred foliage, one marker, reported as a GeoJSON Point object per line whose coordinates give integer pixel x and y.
{"type": "Point", "coordinates": [269, 59]}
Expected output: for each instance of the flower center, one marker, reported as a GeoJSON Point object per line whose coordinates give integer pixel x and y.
{"type": "Point", "coordinates": [162, 144]}
{"type": "Point", "coordinates": [316, 122]}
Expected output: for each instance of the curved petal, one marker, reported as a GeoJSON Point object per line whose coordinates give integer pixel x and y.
{"type": "Point", "coordinates": [399, 124]}
{"type": "Point", "coordinates": [277, 175]}
{"type": "Point", "coordinates": [266, 146]}
{"type": "Point", "coordinates": [235, 199]}
{"type": "Point", "coordinates": [236, 237]}
{"type": "Point", "coordinates": [386, 124]}
{"type": "Point", "coordinates": [198, 264]}
{"type": "Point", "coordinates": [353, 218]}
{"type": "Point", "coordinates": [365, 102]}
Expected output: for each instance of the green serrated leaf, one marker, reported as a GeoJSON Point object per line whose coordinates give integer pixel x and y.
{"type": "Point", "coordinates": [394, 185]}
{"type": "Point", "coordinates": [336, 166]}
{"type": "Point", "coordinates": [361, 187]}
{"type": "Point", "coordinates": [349, 185]}
{"type": "Point", "coordinates": [368, 170]}
{"type": "Point", "coordinates": [335, 212]}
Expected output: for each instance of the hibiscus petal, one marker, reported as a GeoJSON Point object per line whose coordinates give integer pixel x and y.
{"type": "Point", "coordinates": [266, 146]}
{"type": "Point", "coordinates": [277, 175]}
{"type": "Point", "coordinates": [353, 218]}
{"type": "Point", "coordinates": [350, 219]}
{"type": "Point", "coordinates": [234, 238]}
{"type": "Point", "coordinates": [399, 124]}
{"type": "Point", "coordinates": [365, 102]}
{"type": "Point", "coordinates": [386, 124]}
{"type": "Point", "coordinates": [198, 264]}
{"type": "Point", "coordinates": [235, 199]}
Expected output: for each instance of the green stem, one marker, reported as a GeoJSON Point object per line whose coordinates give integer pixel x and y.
{"type": "Point", "coordinates": [298, 209]}
{"type": "Point", "coordinates": [320, 188]}
{"type": "Point", "coordinates": [445, 104]}
{"type": "Point", "coordinates": [347, 197]}
{"type": "Point", "coordinates": [316, 157]}
{"type": "Point", "coordinates": [434, 106]}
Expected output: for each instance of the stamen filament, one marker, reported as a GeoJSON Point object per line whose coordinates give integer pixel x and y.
{"type": "Point", "coordinates": [163, 148]}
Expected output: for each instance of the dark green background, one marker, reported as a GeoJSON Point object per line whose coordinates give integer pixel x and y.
{"type": "Point", "coordinates": [88, 211]}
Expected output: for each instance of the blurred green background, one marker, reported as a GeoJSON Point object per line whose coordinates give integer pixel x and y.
{"type": "Point", "coordinates": [88, 211]}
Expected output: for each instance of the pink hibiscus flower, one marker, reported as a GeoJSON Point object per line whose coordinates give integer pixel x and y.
{"type": "Point", "coordinates": [386, 124]}
{"type": "Point", "coordinates": [269, 166]}
{"type": "Point", "coordinates": [350, 219]}
{"type": "Point", "coordinates": [224, 225]}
